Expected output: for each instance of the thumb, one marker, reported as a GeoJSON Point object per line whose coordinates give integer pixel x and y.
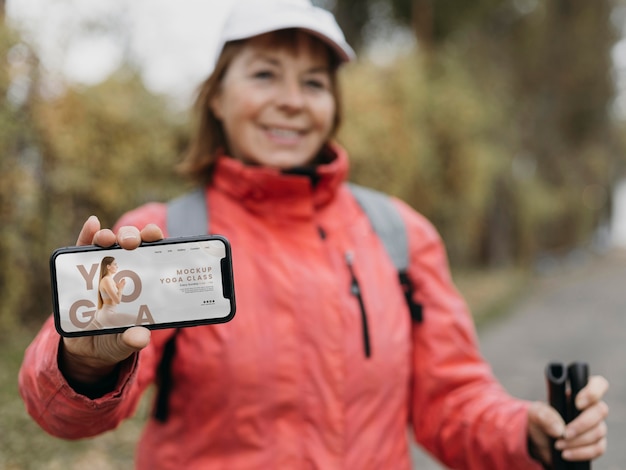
{"type": "Point", "coordinates": [90, 227]}
{"type": "Point", "coordinates": [545, 420]}
{"type": "Point", "coordinates": [136, 338]}
{"type": "Point", "coordinates": [130, 341]}
{"type": "Point", "coordinates": [88, 358]}
{"type": "Point", "coordinates": [544, 424]}
{"type": "Point", "coordinates": [107, 350]}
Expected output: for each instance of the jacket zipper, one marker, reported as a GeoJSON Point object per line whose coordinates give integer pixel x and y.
{"type": "Point", "coordinates": [355, 290]}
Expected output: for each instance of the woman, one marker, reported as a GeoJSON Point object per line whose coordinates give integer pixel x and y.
{"type": "Point", "coordinates": [286, 384]}
{"type": "Point", "coordinates": [109, 296]}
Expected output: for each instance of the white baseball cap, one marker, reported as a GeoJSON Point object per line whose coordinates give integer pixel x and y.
{"type": "Point", "coordinates": [248, 18]}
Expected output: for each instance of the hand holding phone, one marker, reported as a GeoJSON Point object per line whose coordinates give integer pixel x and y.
{"type": "Point", "coordinates": [198, 291]}
{"type": "Point", "coordinates": [174, 282]}
{"type": "Point", "coordinates": [88, 359]}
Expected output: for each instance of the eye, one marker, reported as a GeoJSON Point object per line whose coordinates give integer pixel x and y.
{"type": "Point", "coordinates": [317, 82]}
{"type": "Point", "coordinates": [263, 74]}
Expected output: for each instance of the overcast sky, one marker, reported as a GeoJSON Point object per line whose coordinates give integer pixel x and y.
{"type": "Point", "coordinates": [172, 40]}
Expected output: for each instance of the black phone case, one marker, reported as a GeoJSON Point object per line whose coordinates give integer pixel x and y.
{"type": "Point", "coordinates": [185, 287]}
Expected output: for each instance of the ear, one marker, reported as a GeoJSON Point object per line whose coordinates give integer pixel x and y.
{"type": "Point", "coordinates": [215, 105]}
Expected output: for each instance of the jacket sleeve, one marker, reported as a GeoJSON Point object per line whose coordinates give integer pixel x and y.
{"type": "Point", "coordinates": [459, 412]}
{"type": "Point", "coordinates": [54, 404]}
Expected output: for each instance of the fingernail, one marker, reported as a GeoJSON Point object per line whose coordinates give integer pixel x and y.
{"type": "Point", "coordinates": [128, 234]}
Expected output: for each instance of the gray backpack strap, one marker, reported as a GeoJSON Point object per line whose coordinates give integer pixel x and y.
{"type": "Point", "coordinates": [386, 221]}
{"type": "Point", "coordinates": [187, 215]}
{"type": "Point", "coordinates": [389, 226]}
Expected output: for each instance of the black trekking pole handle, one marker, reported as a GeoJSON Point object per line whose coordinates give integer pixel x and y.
{"type": "Point", "coordinates": [578, 375]}
{"type": "Point", "coordinates": [558, 377]}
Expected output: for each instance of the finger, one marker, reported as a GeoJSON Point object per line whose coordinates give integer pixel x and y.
{"type": "Point", "coordinates": [588, 452]}
{"type": "Point", "coordinates": [546, 419]}
{"type": "Point", "coordinates": [588, 419]}
{"type": "Point", "coordinates": [104, 237]}
{"type": "Point", "coordinates": [128, 237]}
{"type": "Point", "coordinates": [151, 233]}
{"type": "Point", "coordinates": [87, 233]}
{"type": "Point", "coordinates": [587, 438]}
{"type": "Point", "coordinates": [543, 422]}
{"type": "Point", "coordinates": [595, 389]}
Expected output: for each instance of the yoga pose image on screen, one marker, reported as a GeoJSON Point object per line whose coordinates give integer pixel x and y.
{"type": "Point", "coordinates": [109, 297]}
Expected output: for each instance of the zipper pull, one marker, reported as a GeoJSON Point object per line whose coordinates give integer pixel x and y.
{"type": "Point", "coordinates": [355, 290]}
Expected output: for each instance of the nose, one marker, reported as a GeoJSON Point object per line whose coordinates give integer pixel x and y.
{"type": "Point", "coordinates": [290, 94]}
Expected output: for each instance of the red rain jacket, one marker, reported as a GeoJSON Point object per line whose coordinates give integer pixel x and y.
{"type": "Point", "coordinates": [286, 384]}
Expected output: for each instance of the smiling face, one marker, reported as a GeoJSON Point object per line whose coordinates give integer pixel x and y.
{"type": "Point", "coordinates": [276, 103]}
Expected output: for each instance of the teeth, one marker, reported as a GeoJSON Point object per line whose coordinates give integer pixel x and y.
{"type": "Point", "coordinates": [286, 133]}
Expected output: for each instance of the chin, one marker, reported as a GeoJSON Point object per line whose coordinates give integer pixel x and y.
{"type": "Point", "coordinates": [283, 164]}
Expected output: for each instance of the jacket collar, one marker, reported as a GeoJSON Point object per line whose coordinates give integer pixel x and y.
{"type": "Point", "coordinates": [263, 189]}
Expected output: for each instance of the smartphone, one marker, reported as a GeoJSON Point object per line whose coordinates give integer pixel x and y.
{"type": "Point", "coordinates": [171, 283]}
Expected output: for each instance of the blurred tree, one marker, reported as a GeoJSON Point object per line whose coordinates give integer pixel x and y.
{"type": "Point", "coordinates": [64, 156]}
{"type": "Point", "coordinates": [108, 148]}
{"type": "Point", "coordinates": [557, 57]}
{"type": "Point", "coordinates": [428, 138]}
{"type": "Point", "coordinates": [570, 71]}
{"type": "Point", "coordinates": [435, 21]}
{"type": "Point", "coordinates": [548, 64]}
{"type": "Point", "coordinates": [104, 150]}
{"type": "Point", "coordinates": [18, 160]}
{"type": "Point", "coordinates": [432, 22]}
{"type": "Point", "coordinates": [353, 16]}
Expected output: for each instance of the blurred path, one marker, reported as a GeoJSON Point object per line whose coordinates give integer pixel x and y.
{"type": "Point", "coordinates": [575, 312]}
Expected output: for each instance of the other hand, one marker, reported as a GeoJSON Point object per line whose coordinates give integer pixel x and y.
{"type": "Point", "coordinates": [584, 438]}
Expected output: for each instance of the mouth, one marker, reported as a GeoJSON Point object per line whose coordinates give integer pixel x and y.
{"type": "Point", "coordinates": [283, 133]}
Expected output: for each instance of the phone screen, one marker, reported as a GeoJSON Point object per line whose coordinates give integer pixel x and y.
{"type": "Point", "coordinates": [174, 282]}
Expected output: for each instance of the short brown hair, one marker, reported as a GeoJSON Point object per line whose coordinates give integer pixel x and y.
{"type": "Point", "coordinates": [208, 134]}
